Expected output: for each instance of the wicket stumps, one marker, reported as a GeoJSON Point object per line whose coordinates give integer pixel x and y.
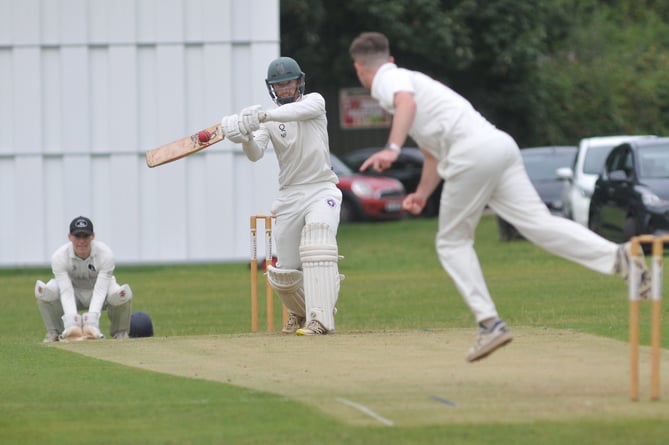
{"type": "Point", "coordinates": [267, 219]}
{"type": "Point", "coordinates": [657, 243]}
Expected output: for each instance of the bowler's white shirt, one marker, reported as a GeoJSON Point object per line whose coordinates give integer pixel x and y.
{"type": "Point", "coordinates": [443, 117]}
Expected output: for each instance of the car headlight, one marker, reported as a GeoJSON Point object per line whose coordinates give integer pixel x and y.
{"type": "Point", "coordinates": [362, 189]}
{"type": "Point", "coordinates": [650, 199]}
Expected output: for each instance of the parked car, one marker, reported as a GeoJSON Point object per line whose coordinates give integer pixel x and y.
{"type": "Point", "coordinates": [631, 195]}
{"type": "Point", "coordinates": [542, 164]}
{"type": "Point", "coordinates": [367, 198]}
{"type": "Point", "coordinates": [581, 177]}
{"type": "Point", "coordinates": [407, 169]}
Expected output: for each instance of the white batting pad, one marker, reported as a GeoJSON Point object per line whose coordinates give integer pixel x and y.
{"type": "Point", "coordinates": [318, 252]}
{"type": "Point", "coordinates": [289, 286]}
{"type": "Point", "coordinates": [121, 296]}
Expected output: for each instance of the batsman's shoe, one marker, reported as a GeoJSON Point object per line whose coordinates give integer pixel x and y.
{"type": "Point", "coordinates": [92, 326]}
{"type": "Point", "coordinates": [50, 337]}
{"type": "Point", "coordinates": [623, 260]}
{"type": "Point", "coordinates": [489, 340]}
{"type": "Point", "coordinates": [294, 323]}
{"type": "Point", "coordinates": [314, 327]}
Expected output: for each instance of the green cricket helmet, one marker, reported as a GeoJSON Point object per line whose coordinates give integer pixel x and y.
{"type": "Point", "coordinates": [284, 69]}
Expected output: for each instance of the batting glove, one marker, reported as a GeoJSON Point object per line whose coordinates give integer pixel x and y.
{"type": "Point", "coordinates": [249, 118]}
{"type": "Point", "coordinates": [233, 133]}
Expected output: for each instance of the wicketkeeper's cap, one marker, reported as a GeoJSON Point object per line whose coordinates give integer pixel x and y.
{"type": "Point", "coordinates": [81, 224]}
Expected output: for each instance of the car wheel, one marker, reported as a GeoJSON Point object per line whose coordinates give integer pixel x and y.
{"type": "Point", "coordinates": [347, 211]}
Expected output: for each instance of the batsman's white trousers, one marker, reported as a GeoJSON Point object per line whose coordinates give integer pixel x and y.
{"type": "Point", "coordinates": [489, 170]}
{"type": "Point", "coordinates": [297, 206]}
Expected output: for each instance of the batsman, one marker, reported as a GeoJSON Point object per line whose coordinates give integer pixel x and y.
{"type": "Point", "coordinates": [307, 207]}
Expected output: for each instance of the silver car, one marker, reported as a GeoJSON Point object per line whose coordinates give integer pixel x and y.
{"type": "Point", "coordinates": [580, 178]}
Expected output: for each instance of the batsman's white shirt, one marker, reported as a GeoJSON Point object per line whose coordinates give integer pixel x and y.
{"type": "Point", "coordinates": [85, 280]}
{"type": "Point", "coordinates": [299, 135]}
{"type": "Point", "coordinates": [307, 184]}
{"type": "Point", "coordinates": [481, 166]}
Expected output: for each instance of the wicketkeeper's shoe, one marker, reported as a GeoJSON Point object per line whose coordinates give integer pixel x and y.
{"type": "Point", "coordinates": [121, 335]}
{"type": "Point", "coordinates": [488, 340]}
{"type": "Point", "coordinates": [91, 326]}
{"type": "Point", "coordinates": [314, 327]}
{"type": "Point", "coordinates": [294, 323]}
{"type": "Point", "coordinates": [622, 267]}
{"type": "Point", "coordinates": [50, 337]}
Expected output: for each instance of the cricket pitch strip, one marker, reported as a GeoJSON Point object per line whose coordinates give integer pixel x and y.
{"type": "Point", "coordinates": [412, 378]}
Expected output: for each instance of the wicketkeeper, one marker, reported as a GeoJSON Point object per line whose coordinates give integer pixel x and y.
{"type": "Point", "coordinates": [83, 280]}
{"type": "Point", "coordinates": [308, 204]}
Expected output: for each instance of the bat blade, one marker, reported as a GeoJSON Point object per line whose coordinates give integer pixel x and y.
{"type": "Point", "coordinates": [185, 146]}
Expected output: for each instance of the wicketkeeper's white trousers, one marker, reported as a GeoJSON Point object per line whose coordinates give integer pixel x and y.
{"type": "Point", "coordinates": [52, 311]}
{"type": "Point", "coordinates": [488, 170]}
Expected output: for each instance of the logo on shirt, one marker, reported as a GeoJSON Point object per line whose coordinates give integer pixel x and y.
{"type": "Point", "coordinates": [91, 268]}
{"type": "Point", "coordinates": [282, 127]}
{"type": "Point", "coordinates": [331, 203]}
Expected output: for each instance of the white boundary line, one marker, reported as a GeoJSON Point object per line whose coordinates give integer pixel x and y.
{"type": "Point", "coordinates": [365, 410]}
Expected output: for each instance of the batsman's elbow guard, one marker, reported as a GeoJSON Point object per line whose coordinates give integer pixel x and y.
{"type": "Point", "coordinates": [121, 296]}
{"type": "Point", "coordinates": [140, 325]}
{"type": "Point", "coordinates": [46, 292]}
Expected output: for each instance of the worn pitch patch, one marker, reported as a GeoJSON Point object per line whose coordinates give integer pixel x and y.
{"type": "Point", "coordinates": [410, 378]}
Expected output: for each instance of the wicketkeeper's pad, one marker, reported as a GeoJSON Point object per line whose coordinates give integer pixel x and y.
{"type": "Point", "coordinates": [46, 293]}
{"type": "Point", "coordinates": [121, 296]}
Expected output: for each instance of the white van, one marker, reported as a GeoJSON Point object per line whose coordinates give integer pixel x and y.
{"type": "Point", "coordinates": [581, 177]}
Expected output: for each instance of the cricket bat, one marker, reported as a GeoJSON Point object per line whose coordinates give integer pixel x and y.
{"type": "Point", "coordinates": [185, 146]}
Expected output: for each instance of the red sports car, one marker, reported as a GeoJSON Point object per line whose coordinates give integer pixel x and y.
{"type": "Point", "coordinates": [368, 198]}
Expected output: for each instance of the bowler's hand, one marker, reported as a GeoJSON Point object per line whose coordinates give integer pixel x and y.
{"type": "Point", "coordinates": [380, 160]}
{"type": "Point", "coordinates": [413, 204]}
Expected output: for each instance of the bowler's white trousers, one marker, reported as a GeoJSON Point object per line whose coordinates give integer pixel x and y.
{"type": "Point", "coordinates": [488, 170]}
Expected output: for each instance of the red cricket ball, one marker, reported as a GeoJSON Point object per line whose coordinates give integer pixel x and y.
{"type": "Point", "coordinates": [204, 136]}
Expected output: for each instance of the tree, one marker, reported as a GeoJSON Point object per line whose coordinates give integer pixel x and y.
{"type": "Point", "coordinates": [609, 77]}
{"type": "Point", "coordinates": [547, 71]}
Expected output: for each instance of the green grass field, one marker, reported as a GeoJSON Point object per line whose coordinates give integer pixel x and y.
{"type": "Point", "coordinates": [393, 283]}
